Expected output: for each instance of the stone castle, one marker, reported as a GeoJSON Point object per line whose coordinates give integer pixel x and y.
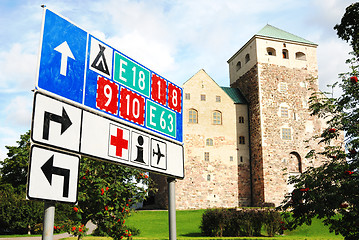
{"type": "Point", "coordinates": [243, 142]}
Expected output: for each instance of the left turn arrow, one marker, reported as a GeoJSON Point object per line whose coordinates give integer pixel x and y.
{"type": "Point", "coordinates": [64, 120]}
{"type": "Point", "coordinates": [49, 169]}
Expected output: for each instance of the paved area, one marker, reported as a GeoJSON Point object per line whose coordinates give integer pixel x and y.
{"type": "Point", "coordinates": [89, 225]}
{"type": "Point", "coordinates": [56, 237]}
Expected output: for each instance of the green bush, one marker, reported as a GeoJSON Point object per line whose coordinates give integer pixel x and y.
{"type": "Point", "coordinates": [223, 222]}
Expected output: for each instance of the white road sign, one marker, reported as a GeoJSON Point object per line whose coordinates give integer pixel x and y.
{"type": "Point", "coordinates": [53, 175]}
{"type": "Point", "coordinates": [77, 130]}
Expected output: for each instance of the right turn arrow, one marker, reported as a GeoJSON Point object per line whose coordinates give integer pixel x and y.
{"type": "Point", "coordinates": [64, 120]}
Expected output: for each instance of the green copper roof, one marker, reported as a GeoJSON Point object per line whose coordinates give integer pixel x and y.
{"type": "Point", "coordinates": [273, 32]}
{"type": "Point", "coordinates": [235, 94]}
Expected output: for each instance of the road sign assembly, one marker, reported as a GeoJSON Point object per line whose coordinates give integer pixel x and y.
{"type": "Point", "coordinates": [90, 99]}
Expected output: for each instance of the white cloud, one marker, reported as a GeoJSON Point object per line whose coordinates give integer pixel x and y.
{"type": "Point", "coordinates": [18, 111]}
{"type": "Point", "coordinates": [18, 68]}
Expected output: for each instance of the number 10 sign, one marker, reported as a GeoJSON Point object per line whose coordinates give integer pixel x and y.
{"type": "Point", "coordinates": [89, 72]}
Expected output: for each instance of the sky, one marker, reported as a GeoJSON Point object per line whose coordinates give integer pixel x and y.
{"type": "Point", "coordinates": [175, 38]}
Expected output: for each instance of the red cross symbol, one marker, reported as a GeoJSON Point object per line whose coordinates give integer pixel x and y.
{"type": "Point", "coordinates": [119, 142]}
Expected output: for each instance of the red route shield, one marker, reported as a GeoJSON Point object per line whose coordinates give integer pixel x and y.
{"type": "Point", "coordinates": [132, 106]}
{"type": "Point", "coordinates": [174, 97]}
{"type": "Point", "coordinates": [107, 95]}
{"type": "Point", "coordinates": [159, 89]}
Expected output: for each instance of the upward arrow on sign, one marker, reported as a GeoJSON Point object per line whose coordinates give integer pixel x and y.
{"type": "Point", "coordinates": [65, 51]}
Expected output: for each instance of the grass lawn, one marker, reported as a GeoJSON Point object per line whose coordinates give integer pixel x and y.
{"type": "Point", "coordinates": [154, 225]}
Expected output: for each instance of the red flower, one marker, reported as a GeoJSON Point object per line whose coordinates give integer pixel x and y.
{"type": "Point", "coordinates": [354, 79]}
{"type": "Point", "coordinates": [80, 229]}
{"type": "Point", "coordinates": [55, 227]}
{"type": "Point", "coordinates": [102, 191]}
{"type": "Point", "coordinates": [123, 222]}
{"type": "Point", "coordinates": [126, 205]}
{"type": "Point", "coordinates": [344, 205]}
{"type": "Point", "coordinates": [73, 229]}
{"type": "Point", "coordinates": [129, 200]}
{"type": "Point", "coordinates": [332, 130]}
{"type": "Point", "coordinates": [304, 189]}
{"type": "Point", "coordinates": [130, 235]}
{"type": "Point", "coordinates": [107, 188]}
{"type": "Point", "coordinates": [146, 176]}
{"type": "Point", "coordinates": [106, 208]}
{"type": "Point", "coordinates": [84, 177]}
{"type": "Point", "coordinates": [347, 172]}
{"type": "Point", "coordinates": [119, 220]}
{"type": "Point", "coordinates": [75, 209]}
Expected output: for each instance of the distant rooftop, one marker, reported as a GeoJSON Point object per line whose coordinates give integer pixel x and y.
{"type": "Point", "coordinates": [273, 32]}
{"type": "Point", "coordinates": [235, 94]}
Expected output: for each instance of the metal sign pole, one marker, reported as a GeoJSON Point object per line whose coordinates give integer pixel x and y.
{"type": "Point", "coordinates": [49, 217]}
{"type": "Point", "coordinates": [172, 208]}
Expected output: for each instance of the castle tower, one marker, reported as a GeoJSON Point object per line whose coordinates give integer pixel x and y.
{"type": "Point", "coordinates": [277, 71]}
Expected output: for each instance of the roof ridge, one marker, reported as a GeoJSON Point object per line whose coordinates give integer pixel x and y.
{"type": "Point", "coordinates": [274, 32]}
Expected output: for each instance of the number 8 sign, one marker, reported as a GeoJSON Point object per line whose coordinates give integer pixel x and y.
{"type": "Point", "coordinates": [174, 97]}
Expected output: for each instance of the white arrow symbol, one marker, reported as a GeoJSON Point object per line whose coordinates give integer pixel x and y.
{"type": "Point", "coordinates": [65, 51]}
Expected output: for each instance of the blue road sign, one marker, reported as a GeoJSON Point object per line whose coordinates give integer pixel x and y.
{"type": "Point", "coordinates": [77, 66]}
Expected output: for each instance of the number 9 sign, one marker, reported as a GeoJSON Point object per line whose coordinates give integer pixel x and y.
{"type": "Point", "coordinates": [107, 95]}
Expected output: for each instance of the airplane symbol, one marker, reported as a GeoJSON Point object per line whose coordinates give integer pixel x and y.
{"type": "Point", "coordinates": [158, 153]}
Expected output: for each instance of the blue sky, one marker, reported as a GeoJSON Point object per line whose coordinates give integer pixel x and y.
{"type": "Point", "coordinates": [174, 38]}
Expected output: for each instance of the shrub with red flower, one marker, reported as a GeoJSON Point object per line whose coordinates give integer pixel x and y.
{"type": "Point", "coordinates": [354, 79]}
{"type": "Point", "coordinates": [332, 130]}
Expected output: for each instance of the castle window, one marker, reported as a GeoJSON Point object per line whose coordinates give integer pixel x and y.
{"type": "Point", "coordinates": [209, 142]}
{"type": "Point", "coordinates": [239, 65]}
{"type": "Point", "coordinates": [285, 54]}
{"type": "Point", "coordinates": [208, 177]}
{"type": "Point", "coordinates": [217, 118]}
{"type": "Point", "coordinates": [300, 56]}
{"type": "Point", "coordinates": [283, 87]}
{"type": "Point", "coordinates": [187, 96]}
{"type": "Point", "coordinates": [203, 97]}
{"type": "Point", "coordinates": [218, 98]}
{"type": "Point", "coordinates": [192, 116]}
{"type": "Point", "coordinates": [271, 51]}
{"type": "Point", "coordinates": [286, 134]}
{"type": "Point", "coordinates": [206, 156]}
{"type": "Point", "coordinates": [284, 112]}
{"type": "Point", "coordinates": [241, 119]}
{"type": "Point", "coordinates": [242, 140]}
{"type": "Point", "coordinates": [247, 58]}
{"type": "Point", "coordinates": [241, 159]}
{"type": "Point", "coordinates": [231, 158]}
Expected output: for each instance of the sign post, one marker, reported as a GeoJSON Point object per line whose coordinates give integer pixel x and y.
{"type": "Point", "coordinates": [49, 218]}
{"type": "Point", "coordinates": [172, 208]}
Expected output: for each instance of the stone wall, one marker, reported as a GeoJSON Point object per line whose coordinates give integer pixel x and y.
{"type": "Point", "coordinates": [289, 88]}
{"type": "Point", "coordinates": [248, 84]}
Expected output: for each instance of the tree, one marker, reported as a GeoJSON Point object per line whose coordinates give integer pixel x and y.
{"type": "Point", "coordinates": [330, 192]}
{"type": "Point", "coordinates": [17, 215]}
{"type": "Point", "coordinates": [14, 167]}
{"type": "Point", "coordinates": [348, 29]}
{"type": "Point", "coordinates": [106, 194]}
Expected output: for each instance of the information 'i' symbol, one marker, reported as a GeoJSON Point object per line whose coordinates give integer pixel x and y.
{"type": "Point", "coordinates": [140, 142]}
